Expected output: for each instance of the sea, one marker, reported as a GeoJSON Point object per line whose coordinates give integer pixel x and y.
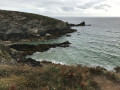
{"type": "Point", "coordinates": [95, 45]}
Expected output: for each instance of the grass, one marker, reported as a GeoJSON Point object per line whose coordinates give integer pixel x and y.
{"type": "Point", "coordinates": [44, 20]}
{"type": "Point", "coordinates": [51, 77]}
{"type": "Point", "coordinates": [103, 72]}
{"type": "Point", "coordinates": [54, 77]}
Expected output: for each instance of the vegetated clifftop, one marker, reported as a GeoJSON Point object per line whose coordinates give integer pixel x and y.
{"type": "Point", "coordinates": [19, 25]}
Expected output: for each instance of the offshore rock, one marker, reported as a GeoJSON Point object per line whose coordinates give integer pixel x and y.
{"type": "Point", "coordinates": [81, 24]}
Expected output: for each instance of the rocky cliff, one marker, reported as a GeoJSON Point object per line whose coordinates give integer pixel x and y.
{"type": "Point", "coordinates": [18, 25]}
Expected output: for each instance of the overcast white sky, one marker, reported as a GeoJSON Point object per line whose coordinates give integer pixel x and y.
{"type": "Point", "coordinates": [80, 8]}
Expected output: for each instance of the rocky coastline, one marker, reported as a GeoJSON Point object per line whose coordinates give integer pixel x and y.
{"type": "Point", "coordinates": [27, 49]}
{"type": "Point", "coordinates": [17, 26]}
{"type": "Point", "coordinates": [29, 74]}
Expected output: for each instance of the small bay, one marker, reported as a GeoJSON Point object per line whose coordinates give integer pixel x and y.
{"type": "Point", "coordinates": [95, 45]}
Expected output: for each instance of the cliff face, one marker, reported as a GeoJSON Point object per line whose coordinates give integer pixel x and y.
{"type": "Point", "coordinates": [18, 25]}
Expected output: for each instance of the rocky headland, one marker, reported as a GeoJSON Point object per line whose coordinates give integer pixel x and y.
{"type": "Point", "coordinates": [17, 26]}
{"type": "Point", "coordinates": [29, 74]}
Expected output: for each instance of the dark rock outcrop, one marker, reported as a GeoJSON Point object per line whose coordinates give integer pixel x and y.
{"type": "Point", "coordinates": [27, 49]}
{"type": "Point", "coordinates": [10, 56]}
{"type": "Point", "coordinates": [16, 26]}
{"type": "Point", "coordinates": [56, 34]}
{"type": "Point", "coordinates": [81, 24]}
{"type": "Point", "coordinates": [32, 62]}
{"type": "Point", "coordinates": [46, 62]}
{"type": "Point", "coordinates": [68, 35]}
{"type": "Point", "coordinates": [117, 69]}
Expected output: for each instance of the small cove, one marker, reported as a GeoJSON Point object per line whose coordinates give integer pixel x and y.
{"type": "Point", "coordinates": [96, 45]}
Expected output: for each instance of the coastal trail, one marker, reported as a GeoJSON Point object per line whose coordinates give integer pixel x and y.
{"type": "Point", "coordinates": [107, 84]}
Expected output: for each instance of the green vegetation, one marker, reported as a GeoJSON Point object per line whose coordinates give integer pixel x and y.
{"type": "Point", "coordinates": [24, 18]}
{"type": "Point", "coordinates": [53, 77]}
{"type": "Point", "coordinates": [15, 26]}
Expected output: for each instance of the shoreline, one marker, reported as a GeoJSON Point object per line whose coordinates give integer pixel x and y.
{"type": "Point", "coordinates": [44, 38]}
{"type": "Point", "coordinates": [109, 69]}
{"type": "Point", "coordinates": [62, 63]}
{"type": "Point", "coordinates": [88, 78]}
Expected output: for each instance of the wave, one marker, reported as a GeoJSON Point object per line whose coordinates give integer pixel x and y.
{"type": "Point", "coordinates": [53, 61]}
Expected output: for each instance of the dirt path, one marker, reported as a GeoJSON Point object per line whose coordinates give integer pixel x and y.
{"type": "Point", "coordinates": [107, 84]}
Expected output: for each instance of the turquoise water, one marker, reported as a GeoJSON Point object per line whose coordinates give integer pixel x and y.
{"type": "Point", "coordinates": [96, 45]}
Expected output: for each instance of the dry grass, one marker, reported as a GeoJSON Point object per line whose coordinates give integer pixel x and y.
{"type": "Point", "coordinates": [48, 77]}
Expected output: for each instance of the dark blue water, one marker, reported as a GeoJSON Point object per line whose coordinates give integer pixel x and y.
{"type": "Point", "coordinates": [96, 45]}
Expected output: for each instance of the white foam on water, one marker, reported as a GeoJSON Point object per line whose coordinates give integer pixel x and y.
{"type": "Point", "coordinates": [53, 61]}
{"type": "Point", "coordinates": [94, 46]}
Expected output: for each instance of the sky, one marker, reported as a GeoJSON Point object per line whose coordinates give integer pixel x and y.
{"type": "Point", "coordinates": [71, 8]}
